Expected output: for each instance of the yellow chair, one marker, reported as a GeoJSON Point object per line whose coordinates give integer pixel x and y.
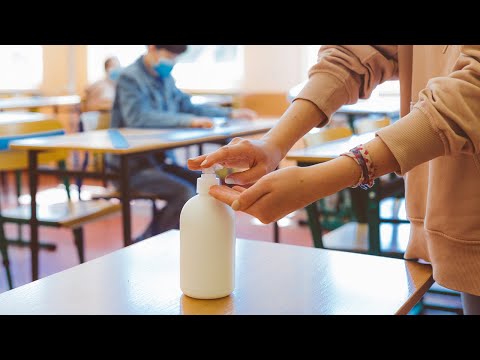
{"type": "Point", "coordinates": [68, 214]}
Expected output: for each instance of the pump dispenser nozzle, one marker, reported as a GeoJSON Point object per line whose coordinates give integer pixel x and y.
{"type": "Point", "coordinates": [208, 179]}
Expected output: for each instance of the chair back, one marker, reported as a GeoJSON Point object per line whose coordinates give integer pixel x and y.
{"type": "Point", "coordinates": [18, 159]}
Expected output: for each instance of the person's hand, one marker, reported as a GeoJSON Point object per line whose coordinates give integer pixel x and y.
{"type": "Point", "coordinates": [257, 156]}
{"type": "Point", "coordinates": [201, 122]}
{"type": "Point", "coordinates": [274, 195]}
{"type": "Point", "coordinates": [244, 114]}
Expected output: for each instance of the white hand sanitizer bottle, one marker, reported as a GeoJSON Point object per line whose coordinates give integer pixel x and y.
{"type": "Point", "coordinates": [207, 243]}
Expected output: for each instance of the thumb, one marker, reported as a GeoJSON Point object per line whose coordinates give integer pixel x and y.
{"type": "Point", "coordinates": [248, 197]}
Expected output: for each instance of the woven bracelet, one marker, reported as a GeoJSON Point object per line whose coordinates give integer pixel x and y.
{"type": "Point", "coordinates": [362, 158]}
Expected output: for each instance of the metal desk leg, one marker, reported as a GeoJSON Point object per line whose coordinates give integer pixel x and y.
{"type": "Point", "coordinates": [314, 221]}
{"type": "Point", "coordinates": [125, 196]}
{"type": "Point", "coordinates": [373, 218]}
{"type": "Point", "coordinates": [315, 224]}
{"type": "Point", "coordinates": [4, 255]}
{"type": "Point", "coordinates": [33, 182]}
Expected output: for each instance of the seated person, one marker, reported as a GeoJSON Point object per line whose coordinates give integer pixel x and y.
{"type": "Point", "coordinates": [146, 97]}
{"type": "Point", "coordinates": [100, 95]}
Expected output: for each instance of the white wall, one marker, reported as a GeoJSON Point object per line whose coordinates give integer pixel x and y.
{"type": "Point", "coordinates": [273, 68]}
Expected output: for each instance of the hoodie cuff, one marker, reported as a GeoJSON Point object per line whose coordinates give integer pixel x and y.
{"type": "Point", "coordinates": [326, 91]}
{"type": "Point", "coordinates": [412, 140]}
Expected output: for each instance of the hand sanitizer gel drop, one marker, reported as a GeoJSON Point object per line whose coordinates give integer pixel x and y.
{"type": "Point", "coordinates": [207, 243]}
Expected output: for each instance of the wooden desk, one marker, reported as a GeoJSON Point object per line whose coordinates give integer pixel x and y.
{"type": "Point", "coordinates": [140, 142]}
{"type": "Point", "coordinates": [270, 279]}
{"type": "Point", "coordinates": [39, 101]}
{"type": "Point", "coordinates": [329, 151]}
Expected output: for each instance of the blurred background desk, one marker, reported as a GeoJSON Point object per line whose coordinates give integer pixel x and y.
{"type": "Point", "coordinates": [35, 102]}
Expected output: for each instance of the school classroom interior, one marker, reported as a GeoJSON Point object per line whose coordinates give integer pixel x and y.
{"type": "Point", "coordinates": [341, 255]}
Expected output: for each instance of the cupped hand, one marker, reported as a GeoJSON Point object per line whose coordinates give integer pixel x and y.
{"type": "Point", "coordinates": [274, 195]}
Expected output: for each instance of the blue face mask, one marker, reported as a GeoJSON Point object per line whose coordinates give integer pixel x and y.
{"type": "Point", "coordinates": [164, 67]}
{"type": "Point", "coordinates": [114, 74]}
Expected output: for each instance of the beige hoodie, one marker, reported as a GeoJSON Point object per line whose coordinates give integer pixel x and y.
{"type": "Point", "coordinates": [436, 142]}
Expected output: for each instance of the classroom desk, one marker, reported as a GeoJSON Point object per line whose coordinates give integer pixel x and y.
{"type": "Point", "coordinates": [139, 141]}
{"type": "Point", "coordinates": [39, 101]}
{"type": "Point", "coordinates": [270, 279]}
{"type": "Point", "coordinates": [329, 151]}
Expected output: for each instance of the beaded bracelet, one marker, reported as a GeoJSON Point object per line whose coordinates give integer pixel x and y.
{"type": "Point", "coordinates": [362, 158]}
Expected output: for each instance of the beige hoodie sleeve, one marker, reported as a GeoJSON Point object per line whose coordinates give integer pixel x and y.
{"type": "Point", "coordinates": [343, 74]}
{"type": "Point", "coordinates": [446, 118]}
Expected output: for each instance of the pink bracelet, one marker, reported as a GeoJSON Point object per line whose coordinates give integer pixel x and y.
{"type": "Point", "coordinates": [362, 158]}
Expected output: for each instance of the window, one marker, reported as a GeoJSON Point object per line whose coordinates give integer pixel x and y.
{"type": "Point", "coordinates": [21, 67]}
{"type": "Point", "coordinates": [97, 54]}
{"type": "Point", "coordinates": [201, 67]}
{"type": "Point", "coordinates": [210, 67]}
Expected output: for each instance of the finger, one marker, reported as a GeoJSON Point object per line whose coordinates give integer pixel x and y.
{"type": "Point", "coordinates": [194, 163]}
{"type": "Point", "coordinates": [224, 194]}
{"type": "Point", "coordinates": [224, 155]}
{"type": "Point", "coordinates": [238, 188]}
{"type": "Point", "coordinates": [246, 177]}
{"type": "Point", "coordinates": [250, 196]}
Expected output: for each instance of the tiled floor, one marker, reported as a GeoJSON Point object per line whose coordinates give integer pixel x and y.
{"type": "Point", "coordinates": [105, 235]}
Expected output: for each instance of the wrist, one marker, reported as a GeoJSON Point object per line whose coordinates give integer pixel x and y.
{"type": "Point", "coordinates": [335, 175]}
{"type": "Point", "coordinates": [275, 148]}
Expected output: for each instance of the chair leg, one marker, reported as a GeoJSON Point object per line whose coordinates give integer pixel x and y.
{"type": "Point", "coordinates": [78, 238]}
{"type": "Point", "coordinates": [4, 253]}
